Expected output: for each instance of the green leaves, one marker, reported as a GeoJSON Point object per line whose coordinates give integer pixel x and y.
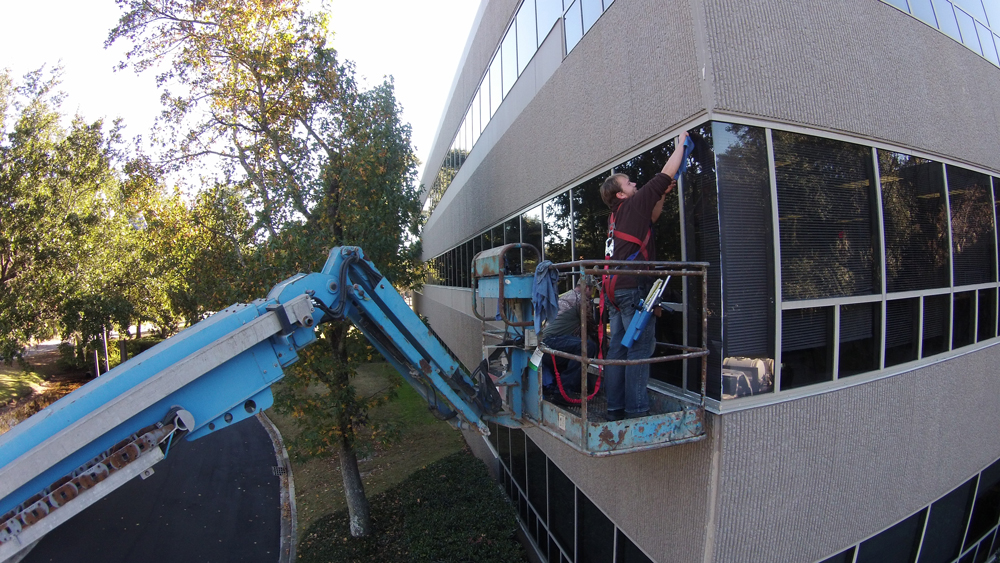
{"type": "Point", "coordinates": [55, 182]}
{"type": "Point", "coordinates": [304, 159]}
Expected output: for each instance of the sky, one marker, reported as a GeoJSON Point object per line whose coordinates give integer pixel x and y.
{"type": "Point", "coordinates": [420, 44]}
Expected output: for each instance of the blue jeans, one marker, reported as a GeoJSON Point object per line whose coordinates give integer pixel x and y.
{"type": "Point", "coordinates": [569, 370]}
{"type": "Point", "coordinates": [626, 385]}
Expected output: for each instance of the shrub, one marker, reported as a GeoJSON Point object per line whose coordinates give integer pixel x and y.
{"type": "Point", "coordinates": [450, 511]}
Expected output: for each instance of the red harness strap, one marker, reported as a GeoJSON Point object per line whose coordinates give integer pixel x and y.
{"type": "Point", "coordinates": [597, 386]}
{"type": "Point", "coordinates": [613, 234]}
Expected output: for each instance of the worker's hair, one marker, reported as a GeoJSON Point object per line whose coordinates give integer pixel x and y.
{"type": "Point", "coordinates": [610, 189]}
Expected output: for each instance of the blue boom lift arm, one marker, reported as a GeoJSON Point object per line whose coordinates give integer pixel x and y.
{"type": "Point", "coordinates": [220, 371]}
{"type": "Point", "coordinates": [212, 375]}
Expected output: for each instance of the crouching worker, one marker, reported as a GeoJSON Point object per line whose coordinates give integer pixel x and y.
{"type": "Point", "coordinates": [563, 334]}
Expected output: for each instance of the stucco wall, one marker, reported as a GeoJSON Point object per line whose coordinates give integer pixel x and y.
{"type": "Point", "coordinates": [609, 96]}
{"type": "Point", "coordinates": [858, 66]}
{"type": "Point", "coordinates": [795, 481]}
{"type": "Point", "coordinates": [803, 479]}
{"type": "Point", "coordinates": [449, 314]}
{"type": "Point", "coordinates": [659, 498]}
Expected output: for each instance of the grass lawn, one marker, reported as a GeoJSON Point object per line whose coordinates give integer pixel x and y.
{"type": "Point", "coordinates": [17, 383]}
{"type": "Point", "coordinates": [319, 488]}
{"type": "Point", "coordinates": [23, 392]}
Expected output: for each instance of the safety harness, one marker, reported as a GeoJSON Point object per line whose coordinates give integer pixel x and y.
{"type": "Point", "coordinates": [609, 250]}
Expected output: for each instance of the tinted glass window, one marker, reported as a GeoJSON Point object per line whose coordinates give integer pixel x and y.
{"type": "Point", "coordinates": [986, 41]}
{"type": "Point", "coordinates": [562, 503]}
{"type": "Point", "coordinates": [983, 553]}
{"type": "Point", "coordinates": [992, 8]}
{"type": "Point", "coordinates": [477, 115]}
{"type": "Point", "coordinates": [548, 12]}
{"type": "Point", "coordinates": [627, 552]}
{"type": "Point", "coordinates": [916, 227]}
{"type": "Point", "coordinates": [963, 330]}
{"type": "Point", "coordinates": [531, 233]}
{"type": "Point", "coordinates": [511, 235]}
{"type": "Point", "coordinates": [537, 488]}
{"type": "Point", "coordinates": [806, 346]}
{"type": "Point", "coordinates": [748, 244]}
{"type": "Point", "coordinates": [590, 219]}
{"type": "Point", "coordinates": [449, 267]}
{"type": "Point", "coordinates": [825, 207]}
{"type": "Point", "coordinates": [860, 327]}
{"type": "Point", "coordinates": [527, 40]}
{"type": "Point", "coordinates": [902, 326]}
{"type": "Point", "coordinates": [968, 29]}
{"type": "Point", "coordinates": [558, 229]}
{"type": "Point", "coordinates": [842, 557]}
{"type": "Point", "coordinates": [508, 58]}
{"type": "Point", "coordinates": [946, 18]}
{"type": "Point", "coordinates": [496, 84]}
{"type": "Point", "coordinates": [987, 504]}
{"type": "Point", "coordinates": [592, 10]}
{"type": "Point", "coordinates": [987, 316]}
{"type": "Point", "coordinates": [701, 221]}
{"type": "Point", "coordinates": [518, 460]}
{"type": "Point", "coordinates": [596, 533]}
{"type": "Point", "coordinates": [937, 312]}
{"type": "Point", "coordinates": [946, 525]}
{"type": "Point", "coordinates": [898, 544]}
{"type": "Point", "coordinates": [573, 25]}
{"type": "Point", "coordinates": [901, 4]}
{"type": "Point", "coordinates": [973, 238]}
{"type": "Point", "coordinates": [477, 245]}
{"type": "Point", "coordinates": [503, 445]}
{"type": "Point", "coordinates": [974, 7]}
{"type": "Point", "coordinates": [493, 433]}
{"type": "Point", "coordinates": [923, 10]}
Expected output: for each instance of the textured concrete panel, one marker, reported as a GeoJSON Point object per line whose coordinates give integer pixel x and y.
{"type": "Point", "coordinates": [483, 43]}
{"type": "Point", "coordinates": [857, 66]}
{"type": "Point", "coordinates": [803, 479]}
{"type": "Point", "coordinates": [445, 311]}
{"type": "Point", "coordinates": [659, 498]}
{"type": "Point", "coordinates": [608, 97]}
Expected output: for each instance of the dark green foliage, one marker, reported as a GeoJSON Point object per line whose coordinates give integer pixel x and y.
{"type": "Point", "coordinates": [450, 511]}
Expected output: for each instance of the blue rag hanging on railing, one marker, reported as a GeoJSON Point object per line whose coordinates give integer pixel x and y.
{"type": "Point", "coordinates": [688, 147]}
{"type": "Point", "coordinates": [544, 295]}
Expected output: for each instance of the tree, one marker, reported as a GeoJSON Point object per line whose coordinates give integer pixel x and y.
{"type": "Point", "coordinates": [54, 183]}
{"type": "Point", "coordinates": [323, 163]}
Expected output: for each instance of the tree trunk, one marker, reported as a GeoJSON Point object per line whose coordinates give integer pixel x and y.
{"type": "Point", "coordinates": [354, 491]}
{"type": "Point", "coordinates": [354, 488]}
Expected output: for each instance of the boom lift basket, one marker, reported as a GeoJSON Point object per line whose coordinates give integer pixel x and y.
{"type": "Point", "coordinates": [676, 415]}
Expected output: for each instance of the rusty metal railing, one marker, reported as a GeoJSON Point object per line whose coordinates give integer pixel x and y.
{"type": "Point", "coordinates": [638, 268]}
{"type": "Point", "coordinates": [492, 263]}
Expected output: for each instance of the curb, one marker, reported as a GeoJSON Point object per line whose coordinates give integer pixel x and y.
{"type": "Point", "coordinates": [289, 520]}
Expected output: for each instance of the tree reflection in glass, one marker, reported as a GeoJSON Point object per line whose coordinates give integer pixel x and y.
{"type": "Point", "coordinates": [747, 256]}
{"type": "Point", "coordinates": [590, 218]}
{"type": "Point", "coordinates": [916, 222]}
{"type": "Point", "coordinates": [531, 233]}
{"type": "Point", "coordinates": [558, 233]}
{"type": "Point", "coordinates": [825, 196]}
{"type": "Point", "coordinates": [973, 237]}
